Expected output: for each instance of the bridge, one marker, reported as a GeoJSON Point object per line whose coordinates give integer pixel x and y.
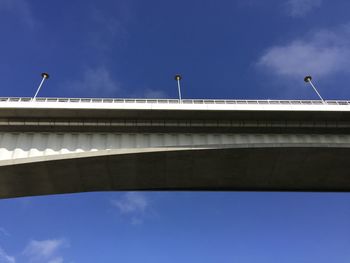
{"type": "Point", "coordinates": [68, 145]}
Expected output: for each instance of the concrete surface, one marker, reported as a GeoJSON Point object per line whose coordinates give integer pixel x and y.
{"type": "Point", "coordinates": [317, 160]}
{"type": "Point", "coordinates": [253, 169]}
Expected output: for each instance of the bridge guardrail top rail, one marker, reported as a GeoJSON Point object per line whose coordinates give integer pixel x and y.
{"type": "Point", "coordinates": [175, 101]}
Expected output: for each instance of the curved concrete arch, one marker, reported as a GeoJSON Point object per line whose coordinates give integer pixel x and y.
{"type": "Point", "coordinates": [255, 169]}
{"type": "Point", "coordinates": [36, 147]}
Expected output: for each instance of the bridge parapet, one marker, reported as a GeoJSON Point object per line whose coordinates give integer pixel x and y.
{"type": "Point", "coordinates": [175, 101]}
{"type": "Point", "coordinates": [166, 115]}
{"type": "Point", "coordinates": [212, 104]}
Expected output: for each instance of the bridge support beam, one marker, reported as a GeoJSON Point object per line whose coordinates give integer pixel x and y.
{"type": "Point", "coordinates": [252, 169]}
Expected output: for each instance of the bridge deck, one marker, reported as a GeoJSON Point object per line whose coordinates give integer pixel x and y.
{"type": "Point", "coordinates": [172, 109]}
{"type": "Point", "coordinates": [175, 104]}
{"type": "Point", "coordinates": [63, 145]}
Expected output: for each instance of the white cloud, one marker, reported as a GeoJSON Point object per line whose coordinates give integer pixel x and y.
{"type": "Point", "coordinates": [298, 8]}
{"type": "Point", "coordinates": [21, 9]}
{"type": "Point", "coordinates": [5, 258]}
{"type": "Point", "coordinates": [133, 205]}
{"type": "Point", "coordinates": [44, 250]}
{"type": "Point", "coordinates": [95, 82]}
{"type": "Point", "coordinates": [320, 53]}
{"type": "Point", "coordinates": [131, 202]}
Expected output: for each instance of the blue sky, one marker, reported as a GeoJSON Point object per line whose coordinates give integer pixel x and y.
{"type": "Point", "coordinates": [225, 49]}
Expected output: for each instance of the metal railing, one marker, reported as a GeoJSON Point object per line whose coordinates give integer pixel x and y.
{"type": "Point", "coordinates": [176, 101]}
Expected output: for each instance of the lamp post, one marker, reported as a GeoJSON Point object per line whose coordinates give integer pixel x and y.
{"type": "Point", "coordinates": [308, 79]}
{"type": "Point", "coordinates": [44, 76]}
{"type": "Point", "coordinates": [178, 77]}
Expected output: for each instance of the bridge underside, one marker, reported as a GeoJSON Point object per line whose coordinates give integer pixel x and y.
{"type": "Point", "coordinates": [56, 149]}
{"type": "Point", "coordinates": [252, 169]}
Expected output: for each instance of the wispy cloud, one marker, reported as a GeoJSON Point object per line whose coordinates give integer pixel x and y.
{"type": "Point", "coordinates": [299, 8]}
{"type": "Point", "coordinates": [134, 205]}
{"type": "Point", "coordinates": [20, 9]}
{"type": "Point", "coordinates": [96, 82]}
{"type": "Point", "coordinates": [105, 31]}
{"type": "Point", "coordinates": [131, 202]}
{"type": "Point", "coordinates": [322, 53]}
{"type": "Point", "coordinates": [5, 258]}
{"type": "Point", "coordinates": [45, 250]}
{"type": "Point", "coordinates": [4, 232]}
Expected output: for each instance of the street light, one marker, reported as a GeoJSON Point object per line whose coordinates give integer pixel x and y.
{"type": "Point", "coordinates": [178, 77]}
{"type": "Point", "coordinates": [44, 76]}
{"type": "Point", "coordinates": [308, 79]}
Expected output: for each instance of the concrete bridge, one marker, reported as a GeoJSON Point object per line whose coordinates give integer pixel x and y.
{"type": "Point", "coordinates": [61, 145]}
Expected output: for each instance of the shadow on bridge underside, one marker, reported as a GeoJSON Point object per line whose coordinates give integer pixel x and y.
{"type": "Point", "coordinates": [229, 169]}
